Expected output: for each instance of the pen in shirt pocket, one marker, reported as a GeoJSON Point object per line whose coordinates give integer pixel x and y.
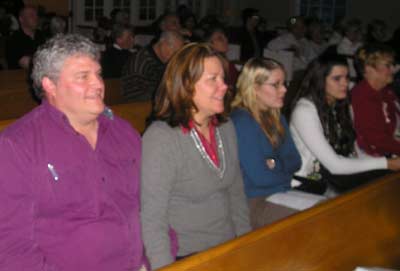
{"type": "Point", "coordinates": [53, 171]}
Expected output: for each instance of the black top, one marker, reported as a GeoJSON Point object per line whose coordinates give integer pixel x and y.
{"type": "Point", "coordinates": [251, 45]}
{"type": "Point", "coordinates": [20, 45]}
{"type": "Point", "coordinates": [112, 61]}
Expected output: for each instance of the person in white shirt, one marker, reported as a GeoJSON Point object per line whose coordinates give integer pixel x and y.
{"type": "Point", "coordinates": [294, 41]}
{"type": "Point", "coordinates": [322, 129]}
{"type": "Point", "coordinates": [316, 44]}
{"type": "Point", "coordinates": [351, 42]}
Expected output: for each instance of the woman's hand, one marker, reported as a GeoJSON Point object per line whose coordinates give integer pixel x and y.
{"type": "Point", "coordinates": [394, 163]}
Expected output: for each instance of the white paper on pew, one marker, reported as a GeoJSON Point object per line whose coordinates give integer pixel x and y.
{"type": "Point", "coordinates": [374, 269]}
{"type": "Point", "coordinates": [295, 199]}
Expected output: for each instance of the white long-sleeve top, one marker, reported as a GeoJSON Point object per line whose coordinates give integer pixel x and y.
{"type": "Point", "coordinates": [288, 41]}
{"type": "Point", "coordinates": [308, 135]}
{"type": "Point", "coordinates": [348, 48]}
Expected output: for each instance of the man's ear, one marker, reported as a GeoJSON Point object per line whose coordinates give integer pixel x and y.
{"type": "Point", "coordinates": [48, 87]}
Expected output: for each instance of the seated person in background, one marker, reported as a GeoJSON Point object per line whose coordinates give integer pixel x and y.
{"type": "Point", "coordinates": [119, 16]}
{"type": "Point", "coordinates": [70, 172]}
{"type": "Point", "coordinates": [352, 39]}
{"type": "Point", "coordinates": [293, 41]}
{"type": "Point", "coordinates": [169, 22]}
{"type": "Point", "coordinates": [191, 179]}
{"type": "Point", "coordinates": [102, 32]}
{"type": "Point", "coordinates": [23, 43]}
{"type": "Point", "coordinates": [115, 57]}
{"type": "Point", "coordinates": [377, 32]}
{"type": "Point", "coordinates": [250, 38]}
{"type": "Point", "coordinates": [322, 129]}
{"type": "Point", "coordinates": [375, 105]}
{"type": "Point", "coordinates": [189, 23]}
{"type": "Point", "coordinates": [337, 32]}
{"type": "Point", "coordinates": [219, 42]}
{"type": "Point", "coordinates": [58, 25]}
{"type": "Point", "coordinates": [143, 72]}
{"type": "Point", "coordinates": [351, 42]}
{"type": "Point", "coordinates": [314, 39]}
{"type": "Point", "coordinates": [268, 156]}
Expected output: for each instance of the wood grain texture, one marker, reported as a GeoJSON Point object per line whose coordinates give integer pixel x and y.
{"type": "Point", "coordinates": [135, 113]}
{"type": "Point", "coordinates": [361, 228]}
{"type": "Point", "coordinates": [17, 99]}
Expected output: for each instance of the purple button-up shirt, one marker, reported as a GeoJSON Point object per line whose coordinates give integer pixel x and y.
{"type": "Point", "coordinates": [63, 205]}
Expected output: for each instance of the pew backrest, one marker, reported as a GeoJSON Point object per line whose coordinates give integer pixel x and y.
{"type": "Point", "coordinates": [361, 228]}
{"type": "Point", "coordinates": [5, 123]}
{"type": "Point", "coordinates": [17, 99]}
{"type": "Point", "coordinates": [135, 113]}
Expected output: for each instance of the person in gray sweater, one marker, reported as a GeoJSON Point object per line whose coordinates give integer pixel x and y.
{"type": "Point", "coordinates": [191, 180]}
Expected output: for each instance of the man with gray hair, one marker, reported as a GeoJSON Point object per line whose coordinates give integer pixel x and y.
{"type": "Point", "coordinates": [143, 72]}
{"type": "Point", "coordinates": [115, 57]}
{"type": "Point", "coordinates": [22, 44]}
{"type": "Point", "coordinates": [70, 172]}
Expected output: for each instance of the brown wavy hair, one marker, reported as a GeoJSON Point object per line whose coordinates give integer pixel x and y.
{"type": "Point", "coordinates": [174, 101]}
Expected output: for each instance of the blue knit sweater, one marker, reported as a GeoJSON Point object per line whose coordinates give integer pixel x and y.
{"type": "Point", "coordinates": [255, 149]}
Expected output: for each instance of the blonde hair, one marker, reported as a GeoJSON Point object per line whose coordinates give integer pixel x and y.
{"type": "Point", "coordinates": [372, 54]}
{"type": "Point", "coordinates": [256, 72]}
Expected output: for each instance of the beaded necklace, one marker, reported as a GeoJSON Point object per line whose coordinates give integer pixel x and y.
{"type": "Point", "coordinates": [221, 153]}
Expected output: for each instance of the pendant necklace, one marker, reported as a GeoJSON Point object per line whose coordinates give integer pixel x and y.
{"type": "Point", "coordinates": [199, 146]}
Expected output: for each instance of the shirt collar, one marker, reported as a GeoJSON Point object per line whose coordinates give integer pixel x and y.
{"type": "Point", "coordinates": [213, 123]}
{"type": "Point", "coordinates": [116, 46]}
{"type": "Point", "coordinates": [61, 119]}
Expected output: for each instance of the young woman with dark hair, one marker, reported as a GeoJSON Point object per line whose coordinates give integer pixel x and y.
{"type": "Point", "coordinates": [322, 129]}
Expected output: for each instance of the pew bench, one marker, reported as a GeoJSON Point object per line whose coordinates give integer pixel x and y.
{"type": "Point", "coordinates": [16, 100]}
{"type": "Point", "coordinates": [11, 79]}
{"type": "Point", "coordinates": [135, 113]}
{"type": "Point", "coordinates": [360, 228]}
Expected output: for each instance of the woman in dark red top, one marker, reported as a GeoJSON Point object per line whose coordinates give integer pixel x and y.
{"type": "Point", "coordinates": [375, 105]}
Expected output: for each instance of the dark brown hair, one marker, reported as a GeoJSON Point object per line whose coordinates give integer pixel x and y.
{"type": "Point", "coordinates": [174, 101]}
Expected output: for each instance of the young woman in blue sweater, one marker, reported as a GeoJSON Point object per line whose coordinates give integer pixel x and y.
{"type": "Point", "coordinates": [267, 154]}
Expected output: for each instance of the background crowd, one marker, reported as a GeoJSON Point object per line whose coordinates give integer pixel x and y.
{"type": "Point", "coordinates": [230, 146]}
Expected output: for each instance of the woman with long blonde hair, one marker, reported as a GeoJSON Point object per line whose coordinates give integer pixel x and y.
{"type": "Point", "coordinates": [267, 154]}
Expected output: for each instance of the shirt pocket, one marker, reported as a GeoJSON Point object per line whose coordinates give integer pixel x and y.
{"type": "Point", "coordinates": [64, 188]}
{"type": "Point", "coordinates": [123, 176]}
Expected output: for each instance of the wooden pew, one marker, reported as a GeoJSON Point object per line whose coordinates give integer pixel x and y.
{"type": "Point", "coordinates": [5, 123]}
{"type": "Point", "coordinates": [113, 94]}
{"type": "Point", "coordinates": [15, 102]}
{"type": "Point", "coordinates": [361, 228]}
{"type": "Point", "coordinates": [18, 100]}
{"type": "Point", "coordinates": [12, 79]}
{"type": "Point", "coordinates": [135, 113]}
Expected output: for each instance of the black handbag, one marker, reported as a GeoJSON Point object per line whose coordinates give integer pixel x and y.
{"type": "Point", "coordinates": [311, 185]}
{"type": "Point", "coordinates": [342, 183]}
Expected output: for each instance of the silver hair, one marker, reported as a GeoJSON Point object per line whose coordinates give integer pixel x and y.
{"type": "Point", "coordinates": [50, 57]}
{"type": "Point", "coordinates": [57, 25]}
{"type": "Point", "coordinates": [171, 36]}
